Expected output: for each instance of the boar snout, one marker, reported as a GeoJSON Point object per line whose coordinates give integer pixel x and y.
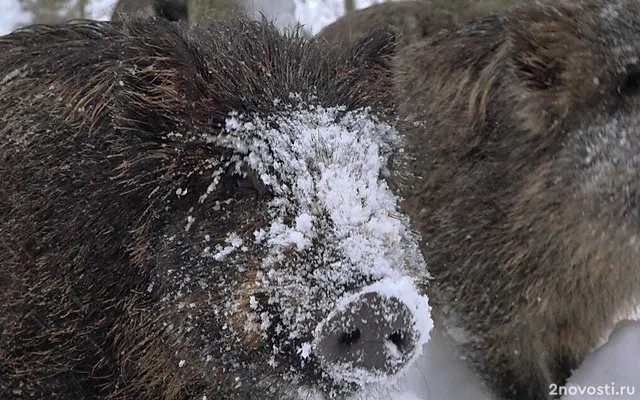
{"type": "Point", "coordinates": [372, 334]}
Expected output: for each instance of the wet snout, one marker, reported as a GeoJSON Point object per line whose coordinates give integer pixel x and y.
{"type": "Point", "coordinates": [372, 336]}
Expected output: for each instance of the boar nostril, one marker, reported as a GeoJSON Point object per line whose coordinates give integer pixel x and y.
{"type": "Point", "coordinates": [372, 334]}
{"type": "Point", "coordinates": [350, 338]}
{"type": "Point", "coordinates": [398, 339]}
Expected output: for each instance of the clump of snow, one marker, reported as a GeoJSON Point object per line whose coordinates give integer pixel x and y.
{"type": "Point", "coordinates": [305, 350]}
{"type": "Point", "coordinates": [329, 170]}
{"type": "Point", "coordinates": [234, 242]}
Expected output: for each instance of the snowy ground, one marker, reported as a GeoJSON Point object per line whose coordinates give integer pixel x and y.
{"type": "Point", "coordinates": [611, 372]}
{"type": "Point", "coordinates": [614, 365]}
{"type": "Point", "coordinates": [606, 374]}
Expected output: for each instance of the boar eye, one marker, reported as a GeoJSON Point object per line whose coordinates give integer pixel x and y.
{"type": "Point", "coordinates": [631, 84]}
{"type": "Point", "coordinates": [248, 186]}
{"type": "Point", "coordinates": [244, 184]}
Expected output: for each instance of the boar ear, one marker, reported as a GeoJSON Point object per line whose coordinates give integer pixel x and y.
{"type": "Point", "coordinates": [375, 49]}
{"type": "Point", "coordinates": [542, 42]}
{"type": "Point", "coordinates": [172, 10]}
{"type": "Point", "coordinates": [162, 77]}
{"type": "Point", "coordinates": [541, 46]}
{"type": "Point", "coordinates": [369, 77]}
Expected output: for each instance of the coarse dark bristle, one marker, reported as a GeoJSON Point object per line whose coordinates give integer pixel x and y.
{"type": "Point", "coordinates": [101, 123]}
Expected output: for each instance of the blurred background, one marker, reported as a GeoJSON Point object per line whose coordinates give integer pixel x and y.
{"type": "Point", "coordinates": [312, 14]}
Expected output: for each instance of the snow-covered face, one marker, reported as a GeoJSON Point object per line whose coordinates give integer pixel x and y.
{"type": "Point", "coordinates": [325, 297]}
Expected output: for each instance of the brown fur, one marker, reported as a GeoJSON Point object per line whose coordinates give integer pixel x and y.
{"type": "Point", "coordinates": [102, 293]}
{"type": "Point", "coordinates": [467, 9]}
{"type": "Point", "coordinates": [173, 10]}
{"type": "Point", "coordinates": [526, 196]}
{"type": "Point", "coordinates": [414, 19]}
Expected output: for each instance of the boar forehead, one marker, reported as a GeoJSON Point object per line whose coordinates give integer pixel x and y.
{"type": "Point", "coordinates": [333, 220]}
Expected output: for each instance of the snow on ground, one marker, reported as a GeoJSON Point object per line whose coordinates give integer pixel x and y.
{"type": "Point", "coordinates": [610, 370]}
{"type": "Point", "coordinates": [442, 376]}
